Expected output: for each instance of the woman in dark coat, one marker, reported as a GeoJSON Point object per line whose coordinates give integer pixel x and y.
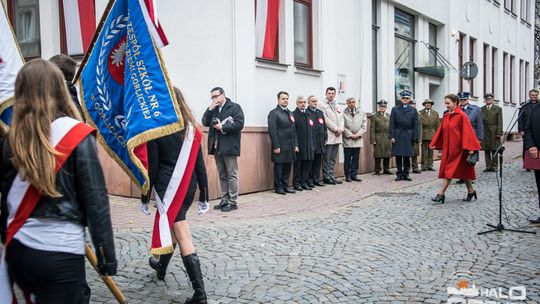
{"type": "Point", "coordinates": [457, 140]}
{"type": "Point", "coordinates": [167, 149]}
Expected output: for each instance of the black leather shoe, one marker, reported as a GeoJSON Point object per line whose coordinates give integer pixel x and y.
{"type": "Point", "coordinates": [438, 198]}
{"type": "Point", "coordinates": [406, 178]}
{"type": "Point", "coordinates": [431, 169]}
{"type": "Point", "coordinates": [229, 207]}
{"type": "Point", "coordinates": [311, 186]}
{"type": "Point", "coordinates": [280, 191]}
{"type": "Point", "coordinates": [298, 188]}
{"type": "Point", "coordinates": [388, 172]}
{"type": "Point", "coordinates": [416, 171]}
{"type": "Point", "coordinates": [221, 204]}
{"type": "Point", "coordinates": [289, 190]}
{"type": "Point", "coordinates": [306, 187]}
{"type": "Point", "coordinates": [318, 184]}
{"type": "Point", "coordinates": [398, 178]}
{"type": "Point", "coordinates": [535, 221]}
{"type": "Point", "coordinates": [329, 182]}
{"type": "Point", "coordinates": [377, 173]}
{"type": "Point", "coordinates": [356, 179]}
{"type": "Point", "coordinates": [338, 181]}
{"type": "Point", "coordinates": [348, 179]}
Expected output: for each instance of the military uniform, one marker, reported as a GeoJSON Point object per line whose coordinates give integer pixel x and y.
{"type": "Point", "coordinates": [416, 146]}
{"type": "Point", "coordinates": [378, 137]}
{"type": "Point", "coordinates": [429, 122]}
{"type": "Point", "coordinates": [493, 130]}
{"type": "Point", "coordinates": [404, 131]}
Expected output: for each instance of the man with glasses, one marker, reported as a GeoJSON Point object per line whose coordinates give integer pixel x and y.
{"type": "Point", "coordinates": [225, 120]}
{"type": "Point", "coordinates": [404, 132]}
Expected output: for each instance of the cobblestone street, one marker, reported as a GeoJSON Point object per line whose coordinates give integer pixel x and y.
{"type": "Point", "coordinates": [391, 245]}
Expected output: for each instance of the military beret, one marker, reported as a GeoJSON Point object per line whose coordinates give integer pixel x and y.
{"type": "Point", "coordinates": [488, 95]}
{"type": "Point", "coordinates": [427, 101]}
{"type": "Point", "coordinates": [463, 95]}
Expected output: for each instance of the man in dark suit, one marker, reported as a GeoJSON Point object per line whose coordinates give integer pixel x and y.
{"type": "Point", "coordinates": [404, 132]}
{"type": "Point", "coordinates": [524, 113]}
{"type": "Point", "coordinates": [319, 135]}
{"type": "Point", "coordinates": [532, 144]}
{"type": "Point", "coordinates": [225, 121]}
{"type": "Point", "coordinates": [475, 117]}
{"type": "Point", "coordinates": [306, 145]}
{"type": "Point", "coordinates": [282, 133]}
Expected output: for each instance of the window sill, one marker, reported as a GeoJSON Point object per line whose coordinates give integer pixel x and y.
{"type": "Point", "coordinates": [497, 4]}
{"type": "Point", "coordinates": [268, 64]}
{"type": "Point", "coordinates": [307, 71]}
{"type": "Point", "coordinates": [514, 15]}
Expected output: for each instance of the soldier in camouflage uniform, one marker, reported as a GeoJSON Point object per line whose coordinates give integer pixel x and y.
{"type": "Point", "coordinates": [382, 148]}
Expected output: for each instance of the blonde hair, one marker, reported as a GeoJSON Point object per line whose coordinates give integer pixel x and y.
{"type": "Point", "coordinates": [40, 94]}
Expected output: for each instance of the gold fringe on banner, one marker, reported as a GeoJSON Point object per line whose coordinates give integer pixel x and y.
{"type": "Point", "coordinates": [162, 250]}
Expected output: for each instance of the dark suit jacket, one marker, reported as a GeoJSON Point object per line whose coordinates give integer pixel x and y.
{"type": "Point", "coordinates": [304, 133]}
{"type": "Point", "coordinates": [227, 141]}
{"type": "Point", "coordinates": [532, 128]}
{"type": "Point", "coordinates": [319, 130]}
{"type": "Point", "coordinates": [282, 133]}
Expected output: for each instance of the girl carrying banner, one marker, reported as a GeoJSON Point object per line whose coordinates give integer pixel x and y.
{"type": "Point", "coordinates": [52, 186]}
{"type": "Point", "coordinates": [179, 162]}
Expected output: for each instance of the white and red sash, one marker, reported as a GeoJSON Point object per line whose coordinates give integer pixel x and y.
{"type": "Point", "coordinates": [66, 134]}
{"type": "Point", "coordinates": [170, 204]}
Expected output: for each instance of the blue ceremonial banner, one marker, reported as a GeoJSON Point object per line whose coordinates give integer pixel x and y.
{"type": "Point", "coordinates": [11, 61]}
{"type": "Point", "coordinates": [125, 89]}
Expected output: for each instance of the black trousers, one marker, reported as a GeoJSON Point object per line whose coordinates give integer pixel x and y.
{"type": "Point", "coordinates": [315, 172]}
{"type": "Point", "coordinates": [282, 171]}
{"type": "Point", "coordinates": [350, 163]}
{"type": "Point", "coordinates": [403, 164]}
{"type": "Point", "coordinates": [53, 277]}
{"type": "Point", "coordinates": [302, 170]}
{"type": "Point", "coordinates": [385, 161]}
{"type": "Point", "coordinates": [537, 177]}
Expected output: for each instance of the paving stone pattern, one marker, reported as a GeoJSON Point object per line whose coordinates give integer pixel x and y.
{"type": "Point", "coordinates": [376, 241]}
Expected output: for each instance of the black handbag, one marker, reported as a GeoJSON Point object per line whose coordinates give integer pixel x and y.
{"type": "Point", "coordinates": [472, 159]}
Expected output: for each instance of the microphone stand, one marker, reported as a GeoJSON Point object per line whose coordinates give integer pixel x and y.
{"type": "Point", "coordinates": [499, 152]}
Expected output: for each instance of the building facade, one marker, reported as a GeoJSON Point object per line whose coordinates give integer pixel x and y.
{"type": "Point", "coordinates": [367, 49]}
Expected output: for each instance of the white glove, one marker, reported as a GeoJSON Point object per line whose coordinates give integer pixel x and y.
{"type": "Point", "coordinates": [203, 207]}
{"type": "Point", "coordinates": [144, 209]}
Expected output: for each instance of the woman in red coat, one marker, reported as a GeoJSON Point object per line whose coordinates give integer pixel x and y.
{"type": "Point", "coordinates": [457, 140]}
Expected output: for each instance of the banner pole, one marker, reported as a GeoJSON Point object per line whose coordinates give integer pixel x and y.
{"type": "Point", "coordinates": [117, 293]}
{"type": "Point", "coordinates": [94, 38]}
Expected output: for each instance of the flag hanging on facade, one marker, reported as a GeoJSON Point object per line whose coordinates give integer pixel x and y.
{"type": "Point", "coordinates": [80, 24]}
{"type": "Point", "coordinates": [125, 89]}
{"type": "Point", "coordinates": [11, 61]}
{"type": "Point", "coordinates": [266, 28]}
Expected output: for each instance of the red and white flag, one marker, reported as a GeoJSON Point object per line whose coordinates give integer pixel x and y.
{"type": "Point", "coordinates": [169, 205]}
{"type": "Point", "coordinates": [80, 24]}
{"type": "Point", "coordinates": [154, 27]}
{"type": "Point", "coordinates": [266, 27]}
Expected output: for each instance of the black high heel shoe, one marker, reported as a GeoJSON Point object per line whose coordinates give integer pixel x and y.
{"type": "Point", "coordinates": [439, 198]}
{"type": "Point", "coordinates": [470, 196]}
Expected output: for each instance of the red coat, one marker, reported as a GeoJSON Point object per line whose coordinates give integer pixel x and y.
{"type": "Point", "coordinates": [455, 136]}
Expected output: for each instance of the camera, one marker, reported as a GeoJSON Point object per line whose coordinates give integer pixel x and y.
{"type": "Point", "coordinates": [215, 121]}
